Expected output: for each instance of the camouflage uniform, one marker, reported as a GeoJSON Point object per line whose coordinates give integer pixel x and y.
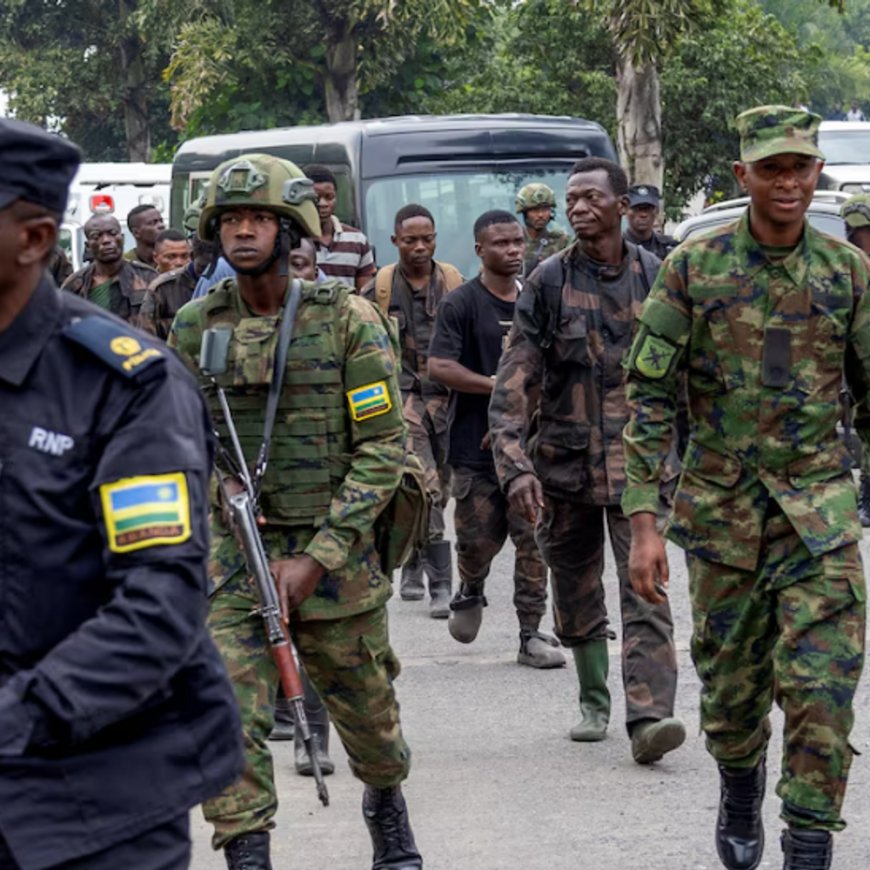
{"type": "Point", "coordinates": [164, 298]}
{"type": "Point", "coordinates": [766, 507]}
{"type": "Point", "coordinates": [549, 242]}
{"type": "Point", "coordinates": [127, 292]}
{"type": "Point", "coordinates": [557, 411]}
{"type": "Point", "coordinates": [424, 401]}
{"type": "Point", "coordinates": [328, 478]}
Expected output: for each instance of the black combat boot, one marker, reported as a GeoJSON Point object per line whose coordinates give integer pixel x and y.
{"type": "Point", "coordinates": [411, 586]}
{"type": "Point", "coordinates": [386, 817]}
{"type": "Point", "coordinates": [805, 849]}
{"type": "Point", "coordinates": [283, 727]}
{"type": "Point", "coordinates": [439, 569]}
{"type": "Point", "coordinates": [318, 722]}
{"type": "Point", "coordinates": [248, 852]}
{"type": "Point", "coordinates": [864, 501]}
{"type": "Point", "coordinates": [739, 831]}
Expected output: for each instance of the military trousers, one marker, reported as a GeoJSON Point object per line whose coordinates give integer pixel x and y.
{"type": "Point", "coordinates": [483, 519]}
{"type": "Point", "coordinates": [790, 631]}
{"type": "Point", "coordinates": [351, 664]}
{"type": "Point", "coordinates": [571, 537]}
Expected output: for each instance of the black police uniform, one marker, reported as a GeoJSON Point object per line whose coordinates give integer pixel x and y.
{"type": "Point", "coordinates": [115, 712]}
{"type": "Point", "coordinates": [658, 243]}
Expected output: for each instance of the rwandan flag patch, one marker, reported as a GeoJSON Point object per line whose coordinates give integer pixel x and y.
{"type": "Point", "coordinates": [369, 401]}
{"type": "Point", "coordinates": [142, 512]}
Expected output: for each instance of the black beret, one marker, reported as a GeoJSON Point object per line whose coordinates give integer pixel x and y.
{"type": "Point", "coordinates": [35, 166]}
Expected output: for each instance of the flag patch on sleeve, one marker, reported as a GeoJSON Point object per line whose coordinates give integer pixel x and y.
{"type": "Point", "coordinates": [142, 512]}
{"type": "Point", "coordinates": [369, 401]}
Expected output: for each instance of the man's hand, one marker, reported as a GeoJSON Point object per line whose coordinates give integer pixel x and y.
{"type": "Point", "coordinates": [526, 496]}
{"type": "Point", "coordinates": [295, 580]}
{"type": "Point", "coordinates": [647, 560]}
{"type": "Point", "coordinates": [231, 486]}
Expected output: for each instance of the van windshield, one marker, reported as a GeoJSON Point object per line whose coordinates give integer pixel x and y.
{"type": "Point", "coordinates": [843, 147]}
{"type": "Point", "coordinates": [456, 199]}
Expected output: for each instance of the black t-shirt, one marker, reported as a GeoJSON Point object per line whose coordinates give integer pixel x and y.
{"type": "Point", "coordinates": [471, 328]}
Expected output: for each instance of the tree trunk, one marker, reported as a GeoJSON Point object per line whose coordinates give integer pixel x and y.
{"type": "Point", "coordinates": [639, 115]}
{"type": "Point", "coordinates": [135, 91]}
{"type": "Point", "coordinates": [342, 92]}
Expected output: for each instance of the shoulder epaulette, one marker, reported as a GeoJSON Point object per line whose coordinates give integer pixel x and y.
{"type": "Point", "coordinates": [121, 349]}
{"type": "Point", "coordinates": [324, 293]}
{"type": "Point", "coordinates": [218, 296]}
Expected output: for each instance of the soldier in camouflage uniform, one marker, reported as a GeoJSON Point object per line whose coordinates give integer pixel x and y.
{"type": "Point", "coordinates": [765, 316]}
{"type": "Point", "coordinates": [537, 203]}
{"type": "Point", "coordinates": [556, 416]}
{"type": "Point", "coordinates": [410, 291]}
{"type": "Point", "coordinates": [856, 214]}
{"type": "Point", "coordinates": [336, 458]}
{"type": "Point", "coordinates": [109, 280]}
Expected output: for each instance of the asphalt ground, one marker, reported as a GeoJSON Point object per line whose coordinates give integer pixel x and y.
{"type": "Point", "coordinates": [496, 783]}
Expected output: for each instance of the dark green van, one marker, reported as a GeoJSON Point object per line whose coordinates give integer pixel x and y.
{"type": "Point", "coordinates": [458, 166]}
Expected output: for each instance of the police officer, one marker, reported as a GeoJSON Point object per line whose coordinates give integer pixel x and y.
{"type": "Point", "coordinates": [116, 715]}
{"type": "Point", "coordinates": [336, 458]}
{"type": "Point", "coordinates": [536, 202]}
{"type": "Point", "coordinates": [644, 209]}
{"type": "Point", "coordinates": [766, 316]}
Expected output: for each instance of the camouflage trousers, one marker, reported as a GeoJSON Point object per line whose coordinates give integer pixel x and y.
{"type": "Point", "coordinates": [571, 537]}
{"type": "Point", "coordinates": [483, 521]}
{"type": "Point", "coordinates": [790, 631]}
{"type": "Point", "coordinates": [350, 663]}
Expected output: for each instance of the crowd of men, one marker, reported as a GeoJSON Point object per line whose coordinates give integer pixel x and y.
{"type": "Point", "coordinates": [542, 394]}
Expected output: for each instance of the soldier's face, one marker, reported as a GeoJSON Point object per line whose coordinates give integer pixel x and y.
{"type": "Point", "coordinates": [538, 218]}
{"type": "Point", "coordinates": [593, 209]}
{"type": "Point", "coordinates": [104, 239]}
{"type": "Point", "coordinates": [248, 236]}
{"type": "Point", "coordinates": [415, 239]}
{"type": "Point", "coordinates": [169, 255]}
{"type": "Point", "coordinates": [326, 196]}
{"type": "Point", "coordinates": [149, 224]}
{"type": "Point", "coordinates": [501, 248]}
{"type": "Point", "coordinates": [642, 219]}
{"type": "Point", "coordinates": [780, 189]}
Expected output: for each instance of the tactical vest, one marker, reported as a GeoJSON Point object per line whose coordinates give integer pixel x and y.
{"type": "Point", "coordinates": [309, 455]}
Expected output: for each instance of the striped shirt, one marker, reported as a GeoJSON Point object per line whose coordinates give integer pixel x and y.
{"type": "Point", "coordinates": [348, 257]}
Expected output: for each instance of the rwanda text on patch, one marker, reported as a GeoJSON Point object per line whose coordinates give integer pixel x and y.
{"type": "Point", "coordinates": [145, 511]}
{"type": "Point", "coordinates": [369, 401]}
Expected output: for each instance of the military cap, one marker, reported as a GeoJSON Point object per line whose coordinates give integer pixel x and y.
{"type": "Point", "coordinates": [855, 211]}
{"type": "Point", "coordinates": [644, 194]}
{"type": "Point", "coordinates": [37, 166]}
{"type": "Point", "coordinates": [766, 131]}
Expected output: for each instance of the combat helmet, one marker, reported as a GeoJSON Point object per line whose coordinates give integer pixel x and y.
{"type": "Point", "coordinates": [261, 181]}
{"type": "Point", "coordinates": [534, 196]}
{"type": "Point", "coordinates": [190, 222]}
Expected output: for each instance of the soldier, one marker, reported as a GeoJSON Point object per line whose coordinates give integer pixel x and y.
{"type": "Point", "coordinates": [766, 316]}
{"type": "Point", "coordinates": [556, 417]}
{"type": "Point", "coordinates": [343, 251]}
{"type": "Point", "coordinates": [537, 204]}
{"type": "Point", "coordinates": [856, 214]}
{"type": "Point", "coordinates": [644, 210]}
{"type": "Point", "coordinates": [337, 456]}
{"type": "Point", "coordinates": [59, 265]}
{"type": "Point", "coordinates": [145, 223]}
{"type": "Point", "coordinates": [171, 251]}
{"type": "Point", "coordinates": [110, 281]}
{"type": "Point", "coordinates": [470, 330]}
{"type": "Point", "coordinates": [410, 291]}
{"type": "Point", "coordinates": [116, 716]}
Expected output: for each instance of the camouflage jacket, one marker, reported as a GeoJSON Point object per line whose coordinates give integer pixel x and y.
{"type": "Point", "coordinates": [550, 242]}
{"type": "Point", "coordinates": [338, 446]}
{"type": "Point", "coordinates": [128, 288]}
{"type": "Point", "coordinates": [164, 298]}
{"type": "Point", "coordinates": [765, 345]}
{"type": "Point", "coordinates": [558, 406]}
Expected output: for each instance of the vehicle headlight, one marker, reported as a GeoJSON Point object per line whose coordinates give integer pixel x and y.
{"type": "Point", "coordinates": [856, 187]}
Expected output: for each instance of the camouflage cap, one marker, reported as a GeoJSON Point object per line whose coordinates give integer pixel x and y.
{"type": "Point", "coordinates": [766, 131]}
{"type": "Point", "coordinates": [855, 211]}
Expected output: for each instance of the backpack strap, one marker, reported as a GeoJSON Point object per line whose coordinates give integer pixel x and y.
{"type": "Point", "coordinates": [384, 288]}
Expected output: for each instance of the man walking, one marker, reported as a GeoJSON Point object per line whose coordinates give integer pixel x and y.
{"type": "Point", "coordinates": [556, 416]}
{"type": "Point", "coordinates": [765, 317]}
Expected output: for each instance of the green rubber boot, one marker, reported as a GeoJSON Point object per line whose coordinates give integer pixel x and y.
{"type": "Point", "coordinates": [593, 664]}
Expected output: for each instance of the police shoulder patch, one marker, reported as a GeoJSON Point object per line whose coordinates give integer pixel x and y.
{"type": "Point", "coordinates": [146, 511]}
{"type": "Point", "coordinates": [121, 349]}
{"type": "Point", "coordinates": [369, 401]}
{"type": "Point", "coordinates": [654, 357]}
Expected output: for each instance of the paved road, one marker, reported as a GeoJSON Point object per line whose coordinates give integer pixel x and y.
{"type": "Point", "coordinates": [496, 783]}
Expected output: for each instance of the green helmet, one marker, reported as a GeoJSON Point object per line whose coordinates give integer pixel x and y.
{"type": "Point", "coordinates": [534, 196]}
{"type": "Point", "coordinates": [855, 211]}
{"type": "Point", "coordinates": [261, 181]}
